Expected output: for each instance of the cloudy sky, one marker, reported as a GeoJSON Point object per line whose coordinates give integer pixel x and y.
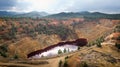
{"type": "Point", "coordinates": [56, 6]}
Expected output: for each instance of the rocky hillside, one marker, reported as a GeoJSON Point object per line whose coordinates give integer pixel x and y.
{"type": "Point", "coordinates": [106, 55]}
{"type": "Point", "coordinates": [25, 35]}
{"type": "Point", "coordinates": [94, 56]}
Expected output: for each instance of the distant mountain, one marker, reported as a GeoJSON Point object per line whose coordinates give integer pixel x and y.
{"type": "Point", "coordinates": [84, 14]}
{"type": "Point", "coordinates": [62, 15]}
{"type": "Point", "coordinates": [6, 13]}
{"type": "Point", "coordinates": [32, 14]}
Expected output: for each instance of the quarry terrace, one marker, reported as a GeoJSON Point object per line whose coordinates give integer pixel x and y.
{"type": "Point", "coordinates": [53, 49]}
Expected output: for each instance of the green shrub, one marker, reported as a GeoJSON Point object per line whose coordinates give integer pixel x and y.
{"type": "Point", "coordinates": [4, 48]}
{"type": "Point", "coordinates": [117, 45]}
{"type": "Point", "coordinates": [15, 56]}
{"type": "Point", "coordinates": [59, 51]}
{"type": "Point", "coordinates": [60, 30]}
{"type": "Point", "coordinates": [78, 47]}
{"type": "Point", "coordinates": [65, 64]}
{"type": "Point", "coordinates": [66, 57]}
{"type": "Point", "coordinates": [117, 28]}
{"type": "Point", "coordinates": [83, 64]}
{"type": "Point", "coordinates": [91, 43]}
{"type": "Point", "coordinates": [98, 44]}
{"type": "Point", "coordinates": [3, 54]}
{"type": "Point", "coordinates": [42, 55]}
{"type": "Point", "coordinates": [99, 41]}
{"type": "Point", "coordinates": [65, 50]}
{"type": "Point", "coordinates": [60, 63]}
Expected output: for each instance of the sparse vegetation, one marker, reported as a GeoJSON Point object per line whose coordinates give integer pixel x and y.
{"type": "Point", "coordinates": [60, 63]}
{"type": "Point", "coordinates": [45, 30]}
{"type": "Point", "coordinates": [117, 28]}
{"type": "Point", "coordinates": [65, 50]}
{"type": "Point", "coordinates": [66, 57]}
{"type": "Point", "coordinates": [78, 47]}
{"type": "Point", "coordinates": [42, 55]}
{"type": "Point", "coordinates": [3, 50]}
{"type": "Point", "coordinates": [91, 43]}
{"type": "Point", "coordinates": [15, 56]}
{"type": "Point", "coordinates": [60, 30]}
{"type": "Point", "coordinates": [98, 44]}
{"type": "Point", "coordinates": [99, 41]}
{"type": "Point", "coordinates": [59, 51]}
{"type": "Point", "coordinates": [30, 28]}
{"type": "Point", "coordinates": [83, 64]}
{"type": "Point", "coordinates": [65, 64]}
{"type": "Point", "coordinates": [117, 45]}
{"type": "Point", "coordinates": [3, 54]}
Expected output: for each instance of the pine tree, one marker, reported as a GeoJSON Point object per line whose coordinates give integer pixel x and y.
{"type": "Point", "coordinates": [65, 50]}
{"type": "Point", "coordinates": [59, 51]}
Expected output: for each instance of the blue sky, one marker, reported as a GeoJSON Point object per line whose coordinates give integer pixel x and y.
{"type": "Point", "coordinates": [56, 6]}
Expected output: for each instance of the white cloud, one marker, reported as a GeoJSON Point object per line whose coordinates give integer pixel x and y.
{"type": "Point", "coordinates": [55, 6]}
{"type": "Point", "coordinates": [51, 6]}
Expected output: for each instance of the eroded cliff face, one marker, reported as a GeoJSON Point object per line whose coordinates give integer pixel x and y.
{"type": "Point", "coordinates": [27, 45]}
{"type": "Point", "coordinates": [48, 40]}
{"type": "Point", "coordinates": [23, 47]}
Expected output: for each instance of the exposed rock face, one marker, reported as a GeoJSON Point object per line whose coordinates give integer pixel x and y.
{"type": "Point", "coordinates": [97, 57]}
{"type": "Point", "coordinates": [78, 42]}
{"type": "Point", "coordinates": [48, 40]}
{"type": "Point", "coordinates": [27, 45]}
{"type": "Point", "coordinates": [23, 47]}
{"type": "Point", "coordinates": [113, 37]}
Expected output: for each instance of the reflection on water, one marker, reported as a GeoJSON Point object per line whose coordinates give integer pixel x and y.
{"type": "Point", "coordinates": [54, 51]}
